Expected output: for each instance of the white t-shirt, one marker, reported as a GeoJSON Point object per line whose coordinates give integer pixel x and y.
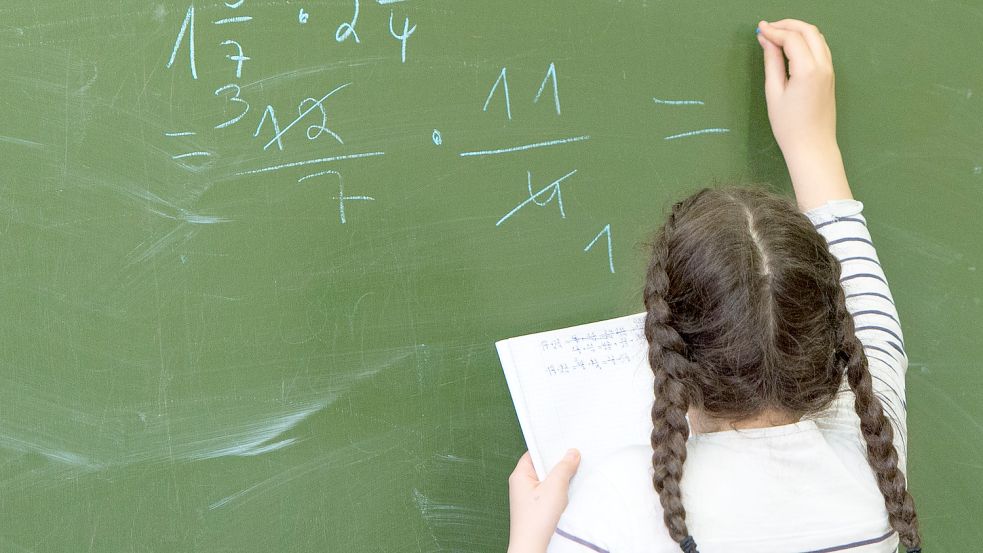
{"type": "Point", "coordinates": [803, 487]}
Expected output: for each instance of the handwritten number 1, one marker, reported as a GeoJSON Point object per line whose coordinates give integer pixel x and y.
{"type": "Point", "coordinates": [188, 24]}
{"type": "Point", "coordinates": [277, 134]}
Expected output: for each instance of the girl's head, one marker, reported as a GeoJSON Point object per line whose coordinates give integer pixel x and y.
{"type": "Point", "coordinates": [746, 314]}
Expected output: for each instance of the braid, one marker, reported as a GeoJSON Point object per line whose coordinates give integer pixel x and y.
{"type": "Point", "coordinates": [670, 430]}
{"type": "Point", "coordinates": [877, 431]}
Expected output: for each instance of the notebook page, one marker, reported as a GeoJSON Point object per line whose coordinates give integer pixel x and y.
{"type": "Point", "coordinates": [587, 386]}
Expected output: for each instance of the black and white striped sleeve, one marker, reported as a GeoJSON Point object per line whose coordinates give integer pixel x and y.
{"type": "Point", "coordinates": [869, 300]}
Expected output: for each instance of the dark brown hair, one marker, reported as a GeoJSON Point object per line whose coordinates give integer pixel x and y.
{"type": "Point", "coordinates": [746, 313]}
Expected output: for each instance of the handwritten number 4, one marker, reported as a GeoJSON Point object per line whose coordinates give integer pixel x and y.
{"type": "Point", "coordinates": [552, 188]}
{"type": "Point", "coordinates": [407, 31]}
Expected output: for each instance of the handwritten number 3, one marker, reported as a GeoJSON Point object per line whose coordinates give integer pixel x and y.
{"type": "Point", "coordinates": [232, 98]}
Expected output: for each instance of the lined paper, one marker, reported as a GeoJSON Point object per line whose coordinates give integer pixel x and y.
{"type": "Point", "coordinates": [587, 386]}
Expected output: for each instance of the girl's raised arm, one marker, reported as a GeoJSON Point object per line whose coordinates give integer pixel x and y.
{"type": "Point", "coordinates": [802, 109]}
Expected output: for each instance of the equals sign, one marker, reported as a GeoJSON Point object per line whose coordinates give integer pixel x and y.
{"type": "Point", "coordinates": [189, 154]}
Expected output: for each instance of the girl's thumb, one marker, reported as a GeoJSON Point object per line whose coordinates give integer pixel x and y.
{"type": "Point", "coordinates": [565, 469]}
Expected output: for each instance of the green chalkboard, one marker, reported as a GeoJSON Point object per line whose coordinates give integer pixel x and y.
{"type": "Point", "coordinates": [251, 311]}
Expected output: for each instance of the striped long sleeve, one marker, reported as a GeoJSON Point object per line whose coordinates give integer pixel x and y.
{"type": "Point", "coordinates": [869, 301]}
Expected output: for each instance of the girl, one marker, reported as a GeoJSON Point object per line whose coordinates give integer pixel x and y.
{"type": "Point", "coordinates": [776, 332]}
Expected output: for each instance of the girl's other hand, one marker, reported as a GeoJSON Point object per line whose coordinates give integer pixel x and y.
{"type": "Point", "coordinates": [535, 507]}
{"type": "Point", "coordinates": [802, 106]}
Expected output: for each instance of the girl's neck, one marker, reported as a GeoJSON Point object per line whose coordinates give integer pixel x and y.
{"type": "Point", "coordinates": [701, 423]}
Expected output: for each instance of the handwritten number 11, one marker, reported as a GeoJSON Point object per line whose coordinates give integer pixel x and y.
{"type": "Point", "coordinates": [503, 79]}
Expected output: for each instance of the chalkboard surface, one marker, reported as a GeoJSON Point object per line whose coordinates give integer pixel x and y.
{"type": "Point", "coordinates": [255, 254]}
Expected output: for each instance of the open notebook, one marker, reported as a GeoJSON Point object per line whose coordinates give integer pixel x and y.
{"type": "Point", "coordinates": [586, 386]}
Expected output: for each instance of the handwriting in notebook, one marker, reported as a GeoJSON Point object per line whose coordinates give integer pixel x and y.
{"type": "Point", "coordinates": [592, 350]}
{"type": "Point", "coordinates": [592, 363]}
{"type": "Point", "coordinates": [588, 385]}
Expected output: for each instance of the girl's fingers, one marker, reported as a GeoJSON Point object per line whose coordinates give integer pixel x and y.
{"type": "Point", "coordinates": [775, 75]}
{"type": "Point", "coordinates": [815, 40]}
{"type": "Point", "coordinates": [799, 55]}
{"type": "Point", "coordinates": [524, 471]}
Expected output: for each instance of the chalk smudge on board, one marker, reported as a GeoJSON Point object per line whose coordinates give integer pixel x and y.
{"type": "Point", "coordinates": [169, 210]}
{"type": "Point", "coordinates": [21, 142]}
{"type": "Point", "coordinates": [247, 439]}
{"type": "Point", "coordinates": [196, 219]}
{"type": "Point", "coordinates": [450, 520]}
{"type": "Point", "coordinates": [175, 237]}
{"type": "Point", "coordinates": [50, 452]}
{"type": "Point", "coordinates": [921, 244]}
{"type": "Point", "coordinates": [251, 438]}
{"type": "Point", "coordinates": [79, 442]}
{"type": "Point", "coordinates": [18, 548]}
{"type": "Point", "coordinates": [160, 12]}
{"type": "Point", "coordinates": [965, 92]}
{"type": "Point", "coordinates": [336, 460]}
{"type": "Point", "coordinates": [281, 78]}
{"type": "Point", "coordinates": [947, 398]}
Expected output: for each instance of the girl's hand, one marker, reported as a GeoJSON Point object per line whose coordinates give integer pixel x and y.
{"type": "Point", "coordinates": [801, 107]}
{"type": "Point", "coordinates": [535, 507]}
